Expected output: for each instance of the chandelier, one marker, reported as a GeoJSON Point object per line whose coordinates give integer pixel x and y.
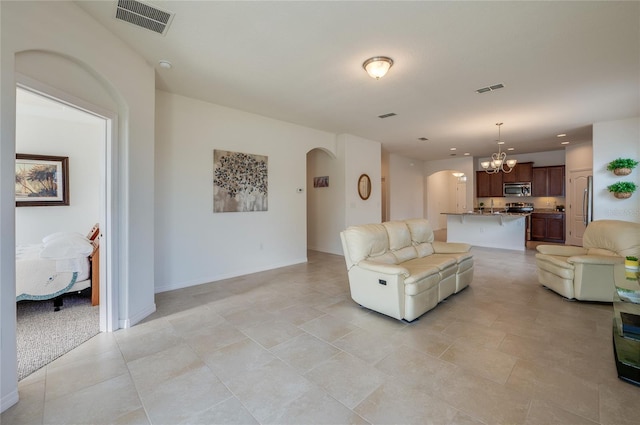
{"type": "Point", "coordinates": [499, 159]}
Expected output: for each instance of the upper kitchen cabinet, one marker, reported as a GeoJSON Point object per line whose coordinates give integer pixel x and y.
{"type": "Point", "coordinates": [548, 181]}
{"type": "Point", "coordinates": [523, 172]}
{"type": "Point", "coordinates": [555, 180]}
{"type": "Point", "coordinates": [488, 185]}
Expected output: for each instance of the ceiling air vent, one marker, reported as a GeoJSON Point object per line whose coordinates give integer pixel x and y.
{"type": "Point", "coordinates": [143, 15]}
{"type": "Point", "coordinates": [490, 88]}
{"type": "Point", "coordinates": [391, 114]}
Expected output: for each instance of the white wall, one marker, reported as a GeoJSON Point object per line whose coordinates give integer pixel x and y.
{"type": "Point", "coordinates": [325, 205]}
{"type": "Point", "coordinates": [361, 156]}
{"type": "Point", "coordinates": [611, 140]}
{"type": "Point", "coordinates": [60, 39]}
{"type": "Point", "coordinates": [406, 188]}
{"type": "Point", "coordinates": [44, 127]}
{"type": "Point", "coordinates": [441, 188]}
{"type": "Point", "coordinates": [194, 245]}
{"type": "Point", "coordinates": [578, 157]}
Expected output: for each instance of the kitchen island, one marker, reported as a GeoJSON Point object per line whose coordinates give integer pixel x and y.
{"type": "Point", "coordinates": [493, 230]}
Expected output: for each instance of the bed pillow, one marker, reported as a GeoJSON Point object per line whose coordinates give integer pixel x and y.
{"type": "Point", "coordinates": [66, 247]}
{"type": "Point", "coordinates": [59, 235]}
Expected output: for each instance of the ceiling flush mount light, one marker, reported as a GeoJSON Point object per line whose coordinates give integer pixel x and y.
{"type": "Point", "coordinates": [499, 159]}
{"type": "Point", "coordinates": [165, 64]}
{"type": "Point", "coordinates": [377, 66]}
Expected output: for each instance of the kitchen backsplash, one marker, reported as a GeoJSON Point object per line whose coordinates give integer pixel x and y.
{"type": "Point", "coordinates": [538, 202]}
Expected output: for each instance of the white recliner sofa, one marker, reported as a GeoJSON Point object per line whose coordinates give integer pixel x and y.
{"type": "Point", "coordinates": [587, 273]}
{"type": "Point", "coordinates": [396, 268]}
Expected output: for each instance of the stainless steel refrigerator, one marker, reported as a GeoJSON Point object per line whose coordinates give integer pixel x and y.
{"type": "Point", "coordinates": [587, 202]}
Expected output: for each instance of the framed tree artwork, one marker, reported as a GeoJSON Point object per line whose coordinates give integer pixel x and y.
{"type": "Point", "coordinates": [41, 180]}
{"type": "Point", "coordinates": [239, 182]}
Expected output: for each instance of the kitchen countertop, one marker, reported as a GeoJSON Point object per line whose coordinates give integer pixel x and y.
{"type": "Point", "coordinates": [498, 230]}
{"type": "Point", "coordinates": [488, 214]}
{"type": "Point", "coordinates": [547, 211]}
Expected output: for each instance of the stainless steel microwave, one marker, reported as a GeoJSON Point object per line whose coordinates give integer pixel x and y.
{"type": "Point", "coordinates": [516, 189]}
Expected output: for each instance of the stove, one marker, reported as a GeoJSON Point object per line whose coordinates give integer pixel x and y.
{"type": "Point", "coordinates": [519, 207]}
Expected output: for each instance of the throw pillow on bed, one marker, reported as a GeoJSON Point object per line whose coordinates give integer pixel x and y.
{"type": "Point", "coordinates": [61, 246]}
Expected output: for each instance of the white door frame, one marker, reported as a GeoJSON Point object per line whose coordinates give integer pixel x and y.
{"type": "Point", "coordinates": [108, 172]}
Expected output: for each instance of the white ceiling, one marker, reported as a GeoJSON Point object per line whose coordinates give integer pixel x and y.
{"type": "Point", "coordinates": [564, 65]}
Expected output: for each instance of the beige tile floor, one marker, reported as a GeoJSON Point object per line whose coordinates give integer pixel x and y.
{"type": "Point", "coordinates": [289, 346]}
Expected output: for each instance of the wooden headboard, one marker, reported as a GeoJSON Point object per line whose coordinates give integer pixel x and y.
{"type": "Point", "coordinates": [95, 263]}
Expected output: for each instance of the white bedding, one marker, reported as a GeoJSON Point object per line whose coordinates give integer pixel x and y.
{"type": "Point", "coordinates": [42, 279]}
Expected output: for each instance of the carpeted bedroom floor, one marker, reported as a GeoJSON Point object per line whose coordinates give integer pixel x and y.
{"type": "Point", "coordinates": [43, 335]}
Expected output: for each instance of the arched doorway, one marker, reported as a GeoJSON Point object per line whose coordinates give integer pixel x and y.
{"type": "Point", "coordinates": [325, 192]}
{"type": "Point", "coordinates": [446, 193]}
{"type": "Point", "coordinates": [47, 126]}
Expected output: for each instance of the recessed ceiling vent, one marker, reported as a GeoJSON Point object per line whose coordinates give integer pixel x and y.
{"type": "Point", "coordinates": [143, 15]}
{"type": "Point", "coordinates": [490, 88]}
{"type": "Point", "coordinates": [390, 114]}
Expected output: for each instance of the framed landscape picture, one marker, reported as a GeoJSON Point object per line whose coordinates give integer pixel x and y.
{"type": "Point", "coordinates": [322, 181]}
{"type": "Point", "coordinates": [41, 180]}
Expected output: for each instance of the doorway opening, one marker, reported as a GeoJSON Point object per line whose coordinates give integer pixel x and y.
{"type": "Point", "coordinates": [58, 126]}
{"type": "Point", "coordinates": [446, 193]}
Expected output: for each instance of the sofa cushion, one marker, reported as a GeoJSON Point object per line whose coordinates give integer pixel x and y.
{"type": "Point", "coordinates": [460, 257]}
{"type": "Point", "coordinates": [421, 279]}
{"type": "Point", "coordinates": [424, 249]}
{"type": "Point", "coordinates": [398, 233]}
{"type": "Point", "coordinates": [367, 240]}
{"type": "Point", "coordinates": [557, 265]}
{"type": "Point", "coordinates": [450, 247]}
{"type": "Point", "coordinates": [439, 261]}
{"type": "Point", "coordinates": [620, 237]}
{"type": "Point", "coordinates": [405, 254]}
{"type": "Point", "coordinates": [420, 230]}
{"type": "Point", "coordinates": [386, 258]}
{"type": "Point", "coordinates": [600, 251]}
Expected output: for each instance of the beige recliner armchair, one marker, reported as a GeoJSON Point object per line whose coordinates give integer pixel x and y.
{"type": "Point", "coordinates": [586, 273]}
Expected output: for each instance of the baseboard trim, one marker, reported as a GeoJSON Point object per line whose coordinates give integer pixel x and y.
{"type": "Point", "coordinates": [327, 251]}
{"type": "Point", "coordinates": [9, 400]}
{"type": "Point", "coordinates": [131, 321]}
{"type": "Point", "coordinates": [186, 284]}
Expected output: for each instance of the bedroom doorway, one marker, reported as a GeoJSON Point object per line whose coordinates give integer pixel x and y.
{"type": "Point", "coordinates": [49, 126]}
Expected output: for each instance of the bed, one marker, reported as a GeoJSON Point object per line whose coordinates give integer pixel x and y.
{"type": "Point", "coordinates": [64, 262]}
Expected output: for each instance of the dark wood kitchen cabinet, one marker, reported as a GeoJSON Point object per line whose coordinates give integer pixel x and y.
{"type": "Point", "coordinates": [555, 180]}
{"type": "Point", "coordinates": [523, 172]}
{"type": "Point", "coordinates": [488, 185]}
{"type": "Point", "coordinates": [547, 181]}
{"type": "Point", "coordinates": [548, 227]}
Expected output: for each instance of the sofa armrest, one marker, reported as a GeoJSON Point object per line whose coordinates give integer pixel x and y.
{"type": "Point", "coordinates": [450, 247]}
{"type": "Point", "coordinates": [562, 250]}
{"type": "Point", "coordinates": [391, 269]}
{"type": "Point", "coordinates": [596, 259]}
